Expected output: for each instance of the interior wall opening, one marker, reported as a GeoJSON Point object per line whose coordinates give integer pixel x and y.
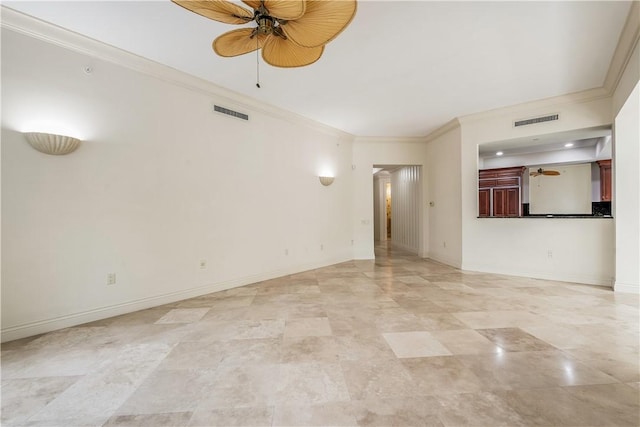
{"type": "Point", "coordinates": [560, 174]}
{"type": "Point", "coordinates": [397, 202]}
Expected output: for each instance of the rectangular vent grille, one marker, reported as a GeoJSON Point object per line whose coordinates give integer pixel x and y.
{"type": "Point", "coordinates": [231, 113]}
{"type": "Point", "coordinates": [536, 120]}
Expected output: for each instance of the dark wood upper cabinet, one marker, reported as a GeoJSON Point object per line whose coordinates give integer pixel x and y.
{"type": "Point", "coordinates": [605, 180]}
{"type": "Point", "coordinates": [499, 192]}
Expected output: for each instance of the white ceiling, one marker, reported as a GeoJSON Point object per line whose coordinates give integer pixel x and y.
{"type": "Point", "coordinates": [400, 69]}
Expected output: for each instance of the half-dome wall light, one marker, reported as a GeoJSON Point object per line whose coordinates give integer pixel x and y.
{"type": "Point", "coordinates": [49, 143]}
{"type": "Point", "coordinates": [326, 180]}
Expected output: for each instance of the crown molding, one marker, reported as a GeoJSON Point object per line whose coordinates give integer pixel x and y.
{"type": "Point", "coordinates": [624, 50]}
{"type": "Point", "coordinates": [449, 126]}
{"type": "Point", "coordinates": [521, 109]}
{"type": "Point", "coordinates": [445, 128]}
{"type": "Point", "coordinates": [541, 104]}
{"type": "Point", "coordinates": [21, 23]}
{"type": "Point", "coordinates": [626, 44]}
{"type": "Point", "coordinates": [24, 24]}
{"type": "Point", "coordinates": [393, 139]}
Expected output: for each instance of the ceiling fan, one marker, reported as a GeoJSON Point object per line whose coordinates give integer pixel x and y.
{"type": "Point", "coordinates": [541, 171]}
{"type": "Point", "coordinates": [291, 33]}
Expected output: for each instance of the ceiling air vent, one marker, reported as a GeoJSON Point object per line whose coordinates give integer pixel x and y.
{"type": "Point", "coordinates": [231, 113]}
{"type": "Point", "coordinates": [543, 119]}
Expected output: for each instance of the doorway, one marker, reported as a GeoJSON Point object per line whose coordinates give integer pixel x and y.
{"type": "Point", "coordinates": [381, 205]}
{"type": "Point", "coordinates": [397, 206]}
{"type": "Point", "coordinates": [388, 208]}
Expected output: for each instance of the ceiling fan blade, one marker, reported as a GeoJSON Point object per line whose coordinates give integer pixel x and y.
{"type": "Point", "coordinates": [282, 9]}
{"type": "Point", "coordinates": [237, 42]}
{"type": "Point", "coordinates": [287, 10]}
{"type": "Point", "coordinates": [255, 4]}
{"type": "Point", "coordinates": [283, 53]}
{"type": "Point", "coordinates": [322, 21]}
{"type": "Point", "coordinates": [551, 173]}
{"type": "Point", "coordinates": [218, 10]}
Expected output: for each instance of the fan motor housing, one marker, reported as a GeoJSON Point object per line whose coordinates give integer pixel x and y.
{"type": "Point", "coordinates": [265, 24]}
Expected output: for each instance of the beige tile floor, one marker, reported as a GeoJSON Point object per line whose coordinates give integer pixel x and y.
{"type": "Point", "coordinates": [400, 341]}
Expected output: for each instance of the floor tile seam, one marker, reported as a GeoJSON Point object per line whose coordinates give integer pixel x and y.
{"type": "Point", "coordinates": [5, 379]}
{"type": "Point", "coordinates": [399, 365]}
{"type": "Point", "coordinates": [391, 358]}
{"type": "Point", "coordinates": [554, 351]}
{"type": "Point", "coordinates": [628, 388]}
{"type": "Point", "coordinates": [117, 415]}
{"type": "Point", "coordinates": [566, 390]}
{"type": "Point", "coordinates": [560, 386]}
{"type": "Point", "coordinates": [134, 387]}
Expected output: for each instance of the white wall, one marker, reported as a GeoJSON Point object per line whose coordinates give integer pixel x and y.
{"type": "Point", "coordinates": [567, 193]}
{"type": "Point", "coordinates": [381, 151]}
{"type": "Point", "coordinates": [406, 201]}
{"type": "Point", "coordinates": [627, 194]}
{"type": "Point", "coordinates": [160, 183]}
{"type": "Point", "coordinates": [595, 183]}
{"type": "Point", "coordinates": [626, 174]}
{"type": "Point", "coordinates": [581, 249]}
{"type": "Point", "coordinates": [380, 207]}
{"type": "Point", "coordinates": [628, 79]}
{"type": "Point", "coordinates": [444, 203]}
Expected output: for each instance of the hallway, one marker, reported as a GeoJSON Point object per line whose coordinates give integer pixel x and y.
{"type": "Point", "coordinates": [399, 341]}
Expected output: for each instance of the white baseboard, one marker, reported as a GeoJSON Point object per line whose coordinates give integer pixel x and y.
{"type": "Point", "coordinates": [559, 277]}
{"type": "Point", "coordinates": [47, 325]}
{"type": "Point", "coordinates": [444, 260]}
{"type": "Point", "coordinates": [626, 288]}
{"type": "Point", "coordinates": [364, 255]}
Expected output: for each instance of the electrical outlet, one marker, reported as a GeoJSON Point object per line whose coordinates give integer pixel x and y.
{"type": "Point", "coordinates": [444, 244]}
{"type": "Point", "coordinates": [321, 247]}
{"type": "Point", "coordinates": [549, 254]}
{"type": "Point", "coordinates": [352, 243]}
{"type": "Point", "coordinates": [111, 279]}
{"type": "Point", "coordinates": [203, 264]}
{"type": "Point", "coordinates": [286, 251]}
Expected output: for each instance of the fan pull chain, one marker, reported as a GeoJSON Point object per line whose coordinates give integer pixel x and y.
{"type": "Point", "coordinates": [258, 62]}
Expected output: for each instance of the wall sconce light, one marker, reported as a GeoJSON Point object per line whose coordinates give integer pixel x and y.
{"type": "Point", "coordinates": [326, 180]}
{"type": "Point", "coordinates": [49, 143]}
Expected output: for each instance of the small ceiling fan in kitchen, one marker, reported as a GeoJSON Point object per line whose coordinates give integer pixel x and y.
{"type": "Point", "coordinates": [541, 171]}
